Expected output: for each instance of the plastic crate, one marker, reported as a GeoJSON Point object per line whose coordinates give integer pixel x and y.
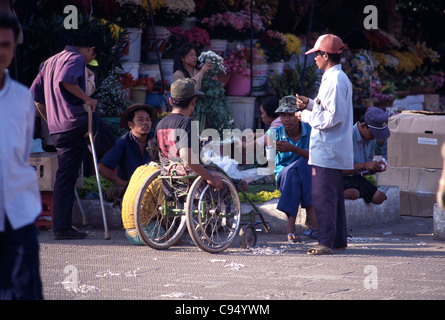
{"type": "Point", "coordinates": [45, 220]}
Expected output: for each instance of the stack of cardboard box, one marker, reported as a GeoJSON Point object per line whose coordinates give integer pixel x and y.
{"type": "Point", "coordinates": [414, 160]}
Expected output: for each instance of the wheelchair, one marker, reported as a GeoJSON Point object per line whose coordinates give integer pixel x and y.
{"type": "Point", "coordinates": [212, 218]}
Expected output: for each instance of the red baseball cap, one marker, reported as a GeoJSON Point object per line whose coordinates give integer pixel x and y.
{"type": "Point", "coordinates": [328, 43]}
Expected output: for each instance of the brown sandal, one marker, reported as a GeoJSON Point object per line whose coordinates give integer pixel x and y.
{"type": "Point", "coordinates": [319, 249]}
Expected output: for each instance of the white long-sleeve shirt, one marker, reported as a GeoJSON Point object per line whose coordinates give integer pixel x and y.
{"type": "Point", "coordinates": [330, 115]}
{"type": "Point", "coordinates": [19, 191]}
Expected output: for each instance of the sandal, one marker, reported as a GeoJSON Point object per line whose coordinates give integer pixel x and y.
{"type": "Point", "coordinates": [319, 249]}
{"type": "Point", "coordinates": [293, 237]}
{"type": "Point", "coordinates": [311, 233]}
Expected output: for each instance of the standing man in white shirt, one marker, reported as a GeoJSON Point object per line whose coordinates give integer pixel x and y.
{"type": "Point", "coordinates": [330, 152]}
{"type": "Point", "coordinates": [20, 203]}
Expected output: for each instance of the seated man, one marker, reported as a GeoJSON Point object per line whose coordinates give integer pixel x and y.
{"type": "Point", "coordinates": [174, 134]}
{"type": "Point", "coordinates": [132, 150]}
{"type": "Point", "coordinates": [372, 126]}
{"type": "Point", "coordinates": [292, 171]}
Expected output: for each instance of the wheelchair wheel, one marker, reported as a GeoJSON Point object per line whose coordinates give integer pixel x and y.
{"type": "Point", "coordinates": [213, 217]}
{"type": "Point", "coordinates": [156, 229]}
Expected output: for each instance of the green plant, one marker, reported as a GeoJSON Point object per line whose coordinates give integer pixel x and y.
{"type": "Point", "coordinates": [289, 82]}
{"type": "Point", "coordinates": [212, 109]}
{"type": "Point", "coordinates": [90, 186]}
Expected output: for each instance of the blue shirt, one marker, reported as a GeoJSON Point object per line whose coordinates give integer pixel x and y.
{"type": "Point", "coordinates": [19, 191]}
{"type": "Point", "coordinates": [126, 156]}
{"type": "Point", "coordinates": [363, 149]}
{"type": "Point", "coordinates": [283, 159]}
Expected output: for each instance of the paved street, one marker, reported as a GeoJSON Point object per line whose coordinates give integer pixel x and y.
{"type": "Point", "coordinates": [392, 261]}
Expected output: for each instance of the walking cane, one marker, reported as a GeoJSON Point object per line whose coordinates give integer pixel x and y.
{"type": "Point", "coordinates": [88, 108]}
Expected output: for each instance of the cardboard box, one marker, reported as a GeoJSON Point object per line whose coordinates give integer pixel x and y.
{"type": "Point", "coordinates": [46, 166]}
{"type": "Point", "coordinates": [416, 139]}
{"type": "Point", "coordinates": [418, 188]}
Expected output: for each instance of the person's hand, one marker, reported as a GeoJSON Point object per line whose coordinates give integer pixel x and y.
{"type": "Point", "coordinates": [283, 146]}
{"type": "Point", "coordinates": [243, 185]}
{"type": "Point", "coordinates": [206, 66]}
{"type": "Point", "coordinates": [215, 181]}
{"type": "Point", "coordinates": [302, 102]}
{"type": "Point", "coordinates": [373, 166]}
{"type": "Point", "coordinates": [298, 115]}
{"type": "Point", "coordinates": [91, 102]}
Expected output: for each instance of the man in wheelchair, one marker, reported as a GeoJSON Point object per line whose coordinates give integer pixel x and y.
{"type": "Point", "coordinates": [175, 138]}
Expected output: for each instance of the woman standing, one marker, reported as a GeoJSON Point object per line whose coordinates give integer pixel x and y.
{"type": "Point", "coordinates": [185, 65]}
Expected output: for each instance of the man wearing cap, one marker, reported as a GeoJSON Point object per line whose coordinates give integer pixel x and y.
{"type": "Point", "coordinates": [174, 133]}
{"type": "Point", "coordinates": [132, 150]}
{"type": "Point", "coordinates": [330, 151]}
{"type": "Point", "coordinates": [372, 126]}
{"type": "Point", "coordinates": [292, 172]}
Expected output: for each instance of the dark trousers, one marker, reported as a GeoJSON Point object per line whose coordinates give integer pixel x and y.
{"type": "Point", "coordinates": [329, 206]}
{"type": "Point", "coordinates": [20, 264]}
{"type": "Point", "coordinates": [294, 183]}
{"type": "Point", "coordinates": [70, 147]}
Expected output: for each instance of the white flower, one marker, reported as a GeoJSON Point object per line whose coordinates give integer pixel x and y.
{"type": "Point", "coordinates": [180, 6]}
{"type": "Point", "coordinates": [215, 59]}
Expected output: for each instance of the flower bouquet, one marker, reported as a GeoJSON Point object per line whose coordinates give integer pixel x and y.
{"type": "Point", "coordinates": [232, 25]}
{"type": "Point", "coordinates": [198, 36]}
{"type": "Point", "coordinates": [130, 14]}
{"type": "Point", "coordinates": [173, 12]}
{"type": "Point", "coordinates": [216, 60]}
{"type": "Point", "coordinates": [238, 62]}
{"type": "Point", "coordinates": [293, 45]}
{"type": "Point", "coordinates": [383, 96]}
{"type": "Point", "coordinates": [274, 44]}
{"type": "Point", "coordinates": [111, 96]}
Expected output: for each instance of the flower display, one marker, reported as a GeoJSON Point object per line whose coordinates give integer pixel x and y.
{"type": "Point", "coordinates": [382, 95]}
{"type": "Point", "coordinates": [408, 61]}
{"type": "Point", "coordinates": [216, 60]}
{"type": "Point", "coordinates": [232, 25]}
{"type": "Point", "coordinates": [173, 12]}
{"type": "Point", "coordinates": [238, 62]}
{"type": "Point", "coordinates": [259, 56]}
{"type": "Point", "coordinates": [130, 14]}
{"type": "Point", "coordinates": [274, 44]}
{"type": "Point", "coordinates": [198, 36]}
{"type": "Point", "coordinates": [111, 97]}
{"type": "Point", "coordinates": [293, 45]}
{"type": "Point", "coordinates": [195, 35]}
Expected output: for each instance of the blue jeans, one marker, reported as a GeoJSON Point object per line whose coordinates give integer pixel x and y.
{"type": "Point", "coordinates": [295, 184]}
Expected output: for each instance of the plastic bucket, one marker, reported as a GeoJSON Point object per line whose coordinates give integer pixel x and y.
{"type": "Point", "coordinates": [218, 46]}
{"type": "Point", "coordinates": [259, 82]}
{"type": "Point", "coordinates": [138, 94]}
{"type": "Point", "coordinates": [167, 69]}
{"type": "Point", "coordinates": [133, 54]}
{"type": "Point", "coordinates": [162, 34]}
{"type": "Point", "coordinates": [150, 70]}
{"type": "Point", "coordinates": [276, 68]}
{"type": "Point", "coordinates": [238, 85]}
{"type": "Point", "coordinates": [132, 68]}
{"type": "Point", "coordinates": [242, 110]}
